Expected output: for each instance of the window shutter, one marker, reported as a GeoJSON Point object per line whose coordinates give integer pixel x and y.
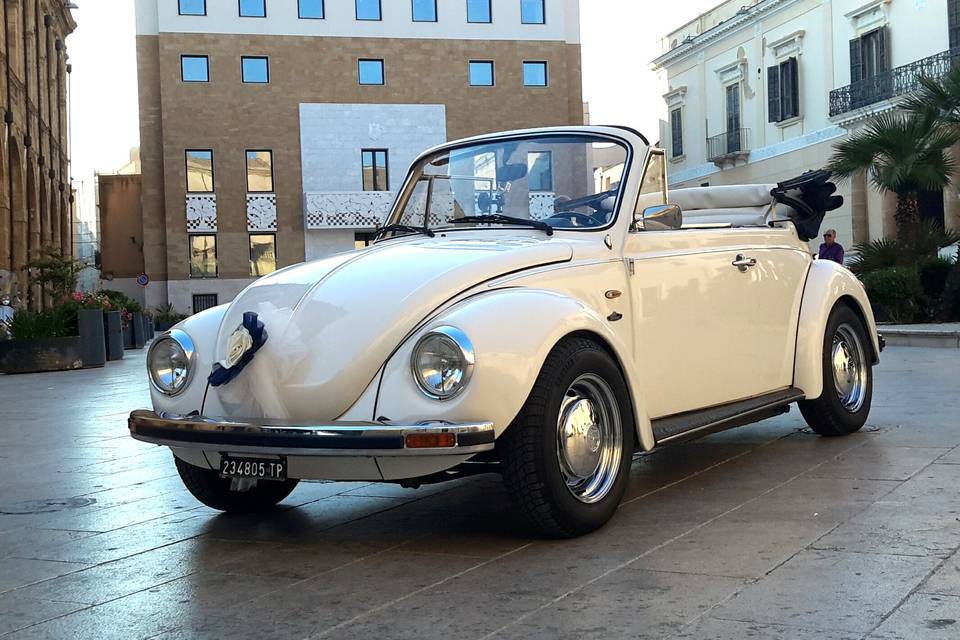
{"type": "Point", "coordinates": [856, 61]}
{"type": "Point", "coordinates": [773, 94]}
{"type": "Point", "coordinates": [883, 53]}
{"type": "Point", "coordinates": [676, 126]}
{"type": "Point", "coordinates": [792, 90]}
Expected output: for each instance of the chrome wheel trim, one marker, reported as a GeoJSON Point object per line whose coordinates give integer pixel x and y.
{"type": "Point", "coordinates": [589, 438]}
{"type": "Point", "coordinates": [849, 365]}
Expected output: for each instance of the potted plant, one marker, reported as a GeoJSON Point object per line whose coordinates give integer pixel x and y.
{"type": "Point", "coordinates": [83, 316]}
{"type": "Point", "coordinates": [136, 321]}
{"type": "Point", "coordinates": [165, 316]}
{"type": "Point", "coordinates": [40, 341]}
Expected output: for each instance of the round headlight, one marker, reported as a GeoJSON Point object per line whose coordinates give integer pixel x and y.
{"type": "Point", "coordinates": [169, 362]}
{"type": "Point", "coordinates": [442, 362]}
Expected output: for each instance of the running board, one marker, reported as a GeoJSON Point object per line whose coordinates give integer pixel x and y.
{"type": "Point", "coordinates": [696, 424]}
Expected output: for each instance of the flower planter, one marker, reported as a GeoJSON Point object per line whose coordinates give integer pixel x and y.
{"type": "Point", "coordinates": [138, 334]}
{"type": "Point", "coordinates": [113, 335]}
{"type": "Point", "coordinates": [150, 330]}
{"type": "Point", "coordinates": [43, 354]}
{"type": "Point", "coordinates": [128, 335]}
{"type": "Point", "coordinates": [93, 345]}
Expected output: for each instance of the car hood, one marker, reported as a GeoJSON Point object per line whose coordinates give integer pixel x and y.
{"type": "Point", "coordinates": [332, 323]}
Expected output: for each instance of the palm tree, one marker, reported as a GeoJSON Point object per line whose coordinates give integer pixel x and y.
{"type": "Point", "coordinates": [941, 95]}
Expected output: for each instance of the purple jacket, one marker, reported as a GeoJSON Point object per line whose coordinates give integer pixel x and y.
{"type": "Point", "coordinates": [831, 252]}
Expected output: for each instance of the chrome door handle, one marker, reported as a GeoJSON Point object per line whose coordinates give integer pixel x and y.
{"type": "Point", "coordinates": [743, 263]}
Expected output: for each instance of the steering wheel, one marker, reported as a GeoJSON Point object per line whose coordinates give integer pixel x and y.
{"type": "Point", "coordinates": [575, 216]}
{"type": "Point", "coordinates": [594, 202]}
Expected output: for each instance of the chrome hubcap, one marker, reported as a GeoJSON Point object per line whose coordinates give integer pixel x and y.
{"type": "Point", "coordinates": [589, 438]}
{"type": "Point", "coordinates": [849, 368]}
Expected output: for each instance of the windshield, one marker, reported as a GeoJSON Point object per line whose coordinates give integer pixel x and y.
{"type": "Point", "coordinates": [567, 181]}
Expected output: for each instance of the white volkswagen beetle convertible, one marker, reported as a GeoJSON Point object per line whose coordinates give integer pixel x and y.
{"type": "Point", "coordinates": [538, 305]}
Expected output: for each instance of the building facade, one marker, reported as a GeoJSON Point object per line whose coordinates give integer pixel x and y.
{"type": "Point", "coordinates": [274, 131]}
{"type": "Point", "coordinates": [36, 203]}
{"type": "Point", "coordinates": [760, 91]}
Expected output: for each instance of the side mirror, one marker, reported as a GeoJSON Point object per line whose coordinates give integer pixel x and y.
{"type": "Point", "coordinates": [659, 217]}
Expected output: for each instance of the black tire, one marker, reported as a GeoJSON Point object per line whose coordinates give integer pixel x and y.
{"type": "Point", "coordinates": [828, 415]}
{"type": "Point", "coordinates": [208, 487]}
{"type": "Point", "coordinates": [529, 449]}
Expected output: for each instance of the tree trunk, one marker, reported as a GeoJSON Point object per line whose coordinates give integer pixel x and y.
{"type": "Point", "coordinates": [908, 214]}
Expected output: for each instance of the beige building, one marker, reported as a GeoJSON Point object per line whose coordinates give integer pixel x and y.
{"type": "Point", "coordinates": [274, 131]}
{"type": "Point", "coordinates": [36, 202]}
{"type": "Point", "coordinates": [761, 90]}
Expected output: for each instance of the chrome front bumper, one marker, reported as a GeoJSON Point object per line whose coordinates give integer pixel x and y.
{"type": "Point", "coordinates": [333, 439]}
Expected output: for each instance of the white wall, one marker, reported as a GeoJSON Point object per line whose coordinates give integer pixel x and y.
{"type": "Point", "coordinates": [180, 292]}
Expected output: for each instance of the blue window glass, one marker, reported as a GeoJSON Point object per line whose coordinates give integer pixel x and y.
{"type": "Point", "coordinates": [534, 74]}
{"type": "Point", "coordinates": [424, 10]}
{"type": "Point", "coordinates": [370, 71]}
{"type": "Point", "coordinates": [253, 8]}
{"type": "Point", "coordinates": [532, 12]}
{"type": "Point", "coordinates": [311, 9]}
{"type": "Point", "coordinates": [478, 11]}
{"type": "Point", "coordinates": [194, 69]}
{"type": "Point", "coordinates": [368, 9]}
{"type": "Point", "coordinates": [255, 69]}
{"type": "Point", "coordinates": [481, 73]}
{"type": "Point", "coordinates": [193, 7]}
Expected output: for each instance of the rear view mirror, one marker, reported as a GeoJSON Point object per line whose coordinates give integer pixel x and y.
{"type": "Point", "coordinates": [511, 172]}
{"type": "Point", "coordinates": [659, 217]}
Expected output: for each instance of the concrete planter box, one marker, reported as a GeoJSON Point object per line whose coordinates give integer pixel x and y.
{"type": "Point", "coordinates": [113, 335]}
{"type": "Point", "coordinates": [44, 354]}
{"type": "Point", "coordinates": [128, 335]}
{"type": "Point", "coordinates": [92, 338]}
{"type": "Point", "coordinates": [139, 337]}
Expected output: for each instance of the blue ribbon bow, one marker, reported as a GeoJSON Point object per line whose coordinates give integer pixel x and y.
{"type": "Point", "coordinates": [222, 375]}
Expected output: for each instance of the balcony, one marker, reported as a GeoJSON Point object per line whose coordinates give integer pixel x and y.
{"type": "Point", "coordinates": [729, 147]}
{"type": "Point", "coordinates": [891, 84]}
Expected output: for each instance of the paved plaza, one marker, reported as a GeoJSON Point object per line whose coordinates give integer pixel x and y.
{"type": "Point", "coordinates": [763, 532]}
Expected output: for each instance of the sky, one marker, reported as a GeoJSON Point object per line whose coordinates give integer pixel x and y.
{"type": "Point", "coordinates": [619, 39]}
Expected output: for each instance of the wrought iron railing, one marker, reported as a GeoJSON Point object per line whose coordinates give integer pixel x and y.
{"type": "Point", "coordinates": [727, 143]}
{"type": "Point", "coordinates": [890, 84]}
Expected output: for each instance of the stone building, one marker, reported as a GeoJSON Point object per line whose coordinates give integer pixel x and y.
{"type": "Point", "coordinates": [274, 131]}
{"type": "Point", "coordinates": [35, 197]}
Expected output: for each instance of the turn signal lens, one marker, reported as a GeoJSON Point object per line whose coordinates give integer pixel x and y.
{"type": "Point", "coordinates": [430, 440]}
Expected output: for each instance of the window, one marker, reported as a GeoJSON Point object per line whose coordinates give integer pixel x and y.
{"type": "Point", "coordinates": [194, 69]}
{"type": "Point", "coordinates": [676, 133]}
{"type": "Point", "coordinates": [783, 91]}
{"type": "Point", "coordinates": [370, 71]}
{"type": "Point", "coordinates": [368, 10]}
{"type": "Point", "coordinates": [481, 73]}
{"type": "Point", "coordinates": [532, 12]}
{"type": "Point", "coordinates": [204, 301]}
{"type": "Point", "coordinates": [953, 22]}
{"type": "Point", "coordinates": [534, 74]}
{"type": "Point", "coordinates": [310, 9]}
{"type": "Point", "coordinates": [259, 171]}
{"type": "Point", "coordinates": [193, 7]}
{"type": "Point", "coordinates": [479, 11]}
{"type": "Point", "coordinates": [203, 256]}
{"type": "Point", "coordinates": [375, 170]}
{"type": "Point", "coordinates": [263, 254]}
{"type": "Point", "coordinates": [733, 117]}
{"type": "Point", "coordinates": [655, 178]}
{"type": "Point", "coordinates": [199, 170]}
{"type": "Point", "coordinates": [868, 55]}
{"type": "Point", "coordinates": [361, 240]}
{"type": "Point", "coordinates": [255, 69]}
{"type": "Point", "coordinates": [540, 171]}
{"type": "Point", "coordinates": [424, 10]}
{"type": "Point", "coordinates": [253, 8]}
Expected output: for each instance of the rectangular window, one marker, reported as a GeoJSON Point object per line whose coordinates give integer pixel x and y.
{"type": "Point", "coordinates": [783, 91]}
{"type": "Point", "coordinates": [479, 11]}
{"type": "Point", "coordinates": [733, 117]}
{"type": "Point", "coordinates": [368, 10]}
{"type": "Point", "coordinates": [204, 301]}
{"type": "Point", "coordinates": [259, 171]}
{"type": "Point", "coordinates": [424, 10]}
{"type": "Point", "coordinates": [534, 74]}
{"type": "Point", "coordinates": [253, 8]}
{"type": "Point", "coordinates": [540, 171]}
{"type": "Point", "coordinates": [370, 71]}
{"type": "Point", "coordinates": [374, 163]}
{"type": "Point", "coordinates": [263, 254]}
{"type": "Point", "coordinates": [953, 23]}
{"type": "Point", "coordinates": [255, 69]}
{"type": "Point", "coordinates": [532, 12]}
{"type": "Point", "coordinates": [194, 69]}
{"type": "Point", "coordinates": [192, 7]}
{"type": "Point", "coordinates": [676, 133]}
{"type": "Point", "coordinates": [203, 256]}
{"type": "Point", "coordinates": [655, 178]}
{"type": "Point", "coordinates": [199, 170]}
{"type": "Point", "coordinates": [868, 55]}
{"type": "Point", "coordinates": [362, 240]}
{"type": "Point", "coordinates": [481, 73]}
{"type": "Point", "coordinates": [310, 9]}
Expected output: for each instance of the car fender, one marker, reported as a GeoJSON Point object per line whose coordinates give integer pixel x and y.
{"type": "Point", "coordinates": [827, 284]}
{"type": "Point", "coordinates": [512, 332]}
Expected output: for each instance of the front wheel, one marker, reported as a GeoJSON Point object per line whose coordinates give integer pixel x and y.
{"type": "Point", "coordinates": [566, 457]}
{"type": "Point", "coordinates": [844, 404]}
{"type": "Point", "coordinates": [208, 487]}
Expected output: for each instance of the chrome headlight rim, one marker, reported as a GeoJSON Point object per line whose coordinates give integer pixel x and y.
{"type": "Point", "coordinates": [460, 340]}
{"type": "Point", "coordinates": [186, 345]}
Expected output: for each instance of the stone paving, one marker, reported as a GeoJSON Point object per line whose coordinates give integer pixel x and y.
{"type": "Point", "coordinates": [763, 532]}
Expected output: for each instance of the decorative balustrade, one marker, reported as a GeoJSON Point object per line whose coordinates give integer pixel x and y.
{"type": "Point", "coordinates": [728, 146]}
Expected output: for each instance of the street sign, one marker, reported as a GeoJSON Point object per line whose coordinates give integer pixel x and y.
{"type": "Point", "coordinates": [143, 280]}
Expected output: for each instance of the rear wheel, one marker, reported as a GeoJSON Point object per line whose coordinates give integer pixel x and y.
{"type": "Point", "coordinates": [208, 487]}
{"type": "Point", "coordinates": [566, 457]}
{"type": "Point", "coordinates": [843, 406]}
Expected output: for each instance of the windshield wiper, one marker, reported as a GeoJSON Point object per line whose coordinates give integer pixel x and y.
{"type": "Point", "coordinates": [499, 218]}
{"type": "Point", "coordinates": [404, 228]}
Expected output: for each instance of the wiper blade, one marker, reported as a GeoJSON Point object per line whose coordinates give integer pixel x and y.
{"type": "Point", "coordinates": [499, 218]}
{"type": "Point", "coordinates": [404, 228]}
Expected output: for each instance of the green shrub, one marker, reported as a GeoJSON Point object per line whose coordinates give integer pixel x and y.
{"type": "Point", "coordinates": [895, 293]}
{"type": "Point", "coordinates": [933, 278]}
{"type": "Point", "coordinates": [31, 325]}
{"type": "Point", "coordinates": [951, 296]}
{"type": "Point", "coordinates": [875, 255]}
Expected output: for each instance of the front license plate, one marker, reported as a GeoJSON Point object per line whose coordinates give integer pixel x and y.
{"type": "Point", "coordinates": [253, 468]}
